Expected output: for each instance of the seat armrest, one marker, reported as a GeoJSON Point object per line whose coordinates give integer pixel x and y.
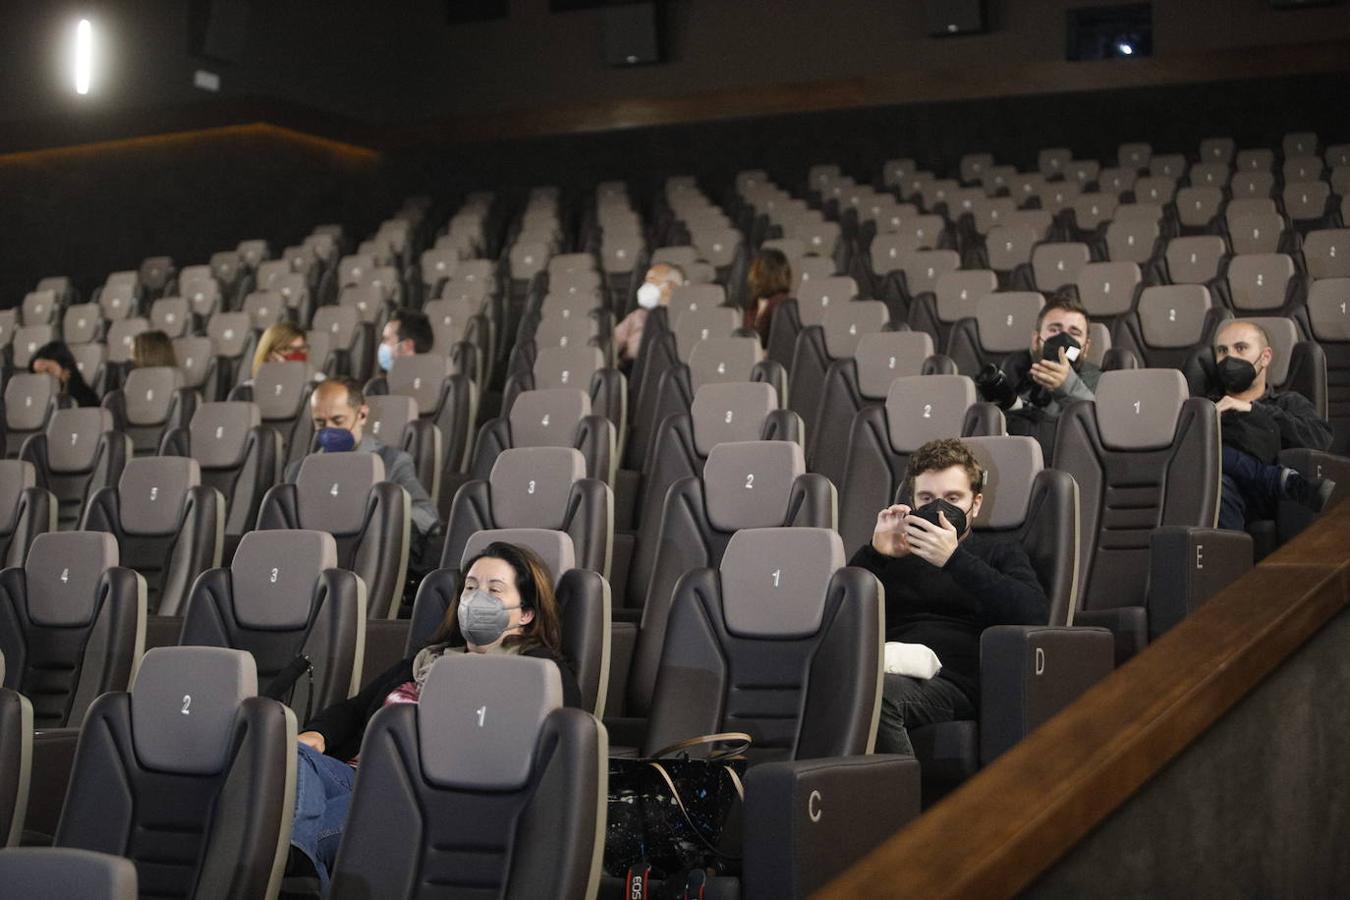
{"type": "Point", "coordinates": [53, 759]}
{"type": "Point", "coordinates": [1030, 672]}
{"type": "Point", "coordinates": [808, 820]}
{"type": "Point", "coordinates": [622, 643]}
{"type": "Point", "coordinates": [1128, 626]}
{"type": "Point", "coordinates": [1187, 566]}
{"type": "Point", "coordinates": [1294, 517]}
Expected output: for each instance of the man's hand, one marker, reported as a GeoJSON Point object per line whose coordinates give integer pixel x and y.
{"type": "Point", "coordinates": [1051, 375]}
{"type": "Point", "coordinates": [889, 537]}
{"type": "Point", "coordinates": [312, 739]}
{"type": "Point", "coordinates": [931, 543]}
{"type": "Point", "coordinates": [1226, 403]}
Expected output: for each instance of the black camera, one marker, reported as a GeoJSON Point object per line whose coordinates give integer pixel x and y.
{"type": "Point", "coordinates": [994, 386]}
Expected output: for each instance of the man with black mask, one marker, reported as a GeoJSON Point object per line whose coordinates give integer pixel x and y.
{"type": "Point", "coordinates": [1033, 387]}
{"type": "Point", "coordinates": [944, 586]}
{"type": "Point", "coordinates": [1257, 423]}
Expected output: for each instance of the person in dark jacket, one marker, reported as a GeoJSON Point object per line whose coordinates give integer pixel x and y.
{"type": "Point", "coordinates": [767, 285]}
{"type": "Point", "coordinates": [507, 606]}
{"type": "Point", "coordinates": [944, 585]}
{"type": "Point", "coordinates": [1257, 422]}
{"type": "Point", "coordinates": [55, 359]}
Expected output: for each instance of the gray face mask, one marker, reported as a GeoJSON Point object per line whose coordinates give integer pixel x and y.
{"type": "Point", "coordinates": [483, 618]}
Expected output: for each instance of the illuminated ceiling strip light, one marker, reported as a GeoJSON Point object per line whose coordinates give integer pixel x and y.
{"type": "Point", "coordinates": [84, 55]}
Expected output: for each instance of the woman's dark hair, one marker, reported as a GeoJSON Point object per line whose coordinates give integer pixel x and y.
{"type": "Point", "coordinates": [153, 348]}
{"type": "Point", "coordinates": [770, 274]}
{"type": "Point", "coordinates": [59, 353]}
{"type": "Point", "coordinates": [534, 582]}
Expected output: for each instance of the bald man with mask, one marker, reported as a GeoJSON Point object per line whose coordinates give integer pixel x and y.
{"type": "Point", "coordinates": [655, 291]}
{"type": "Point", "coordinates": [1257, 423]}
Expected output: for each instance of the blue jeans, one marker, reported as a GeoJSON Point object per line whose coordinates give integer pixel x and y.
{"type": "Point", "coordinates": [1251, 490]}
{"type": "Point", "coordinates": [323, 793]}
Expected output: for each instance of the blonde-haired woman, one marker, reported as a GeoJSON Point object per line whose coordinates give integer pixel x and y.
{"type": "Point", "coordinates": [282, 342]}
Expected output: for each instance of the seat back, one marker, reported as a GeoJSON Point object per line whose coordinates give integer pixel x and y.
{"type": "Point", "coordinates": [196, 363]}
{"type": "Point", "coordinates": [27, 339]}
{"type": "Point", "coordinates": [30, 400]}
{"type": "Point", "coordinates": [1108, 289]}
{"type": "Point", "coordinates": [39, 308]}
{"type": "Point", "coordinates": [1169, 324]}
{"type": "Point", "coordinates": [1055, 265]}
{"type": "Point", "coordinates": [77, 454]}
{"type": "Point", "coordinates": [532, 768]}
{"type": "Point", "coordinates": [26, 511]}
{"type": "Point", "coordinates": [1195, 260]}
{"type": "Point", "coordinates": [73, 625]}
{"type": "Point", "coordinates": [1003, 324]}
{"type": "Point", "coordinates": [53, 873]}
{"type": "Point", "coordinates": [281, 391]}
{"type": "Point", "coordinates": [780, 642]}
{"type": "Point", "coordinates": [149, 403]}
{"type": "Point", "coordinates": [1327, 253]}
{"type": "Point", "coordinates": [191, 776]}
{"type": "Point", "coordinates": [1329, 316]}
{"type": "Point", "coordinates": [236, 455]}
{"type": "Point", "coordinates": [171, 315]}
{"type": "Point", "coordinates": [1259, 281]}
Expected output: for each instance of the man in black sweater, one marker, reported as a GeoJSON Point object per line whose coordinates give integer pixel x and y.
{"type": "Point", "coordinates": [944, 586]}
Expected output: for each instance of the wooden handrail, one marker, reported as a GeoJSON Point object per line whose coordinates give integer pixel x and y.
{"type": "Point", "coordinates": [1007, 825]}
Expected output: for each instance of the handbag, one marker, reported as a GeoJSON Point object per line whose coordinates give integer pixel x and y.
{"type": "Point", "coordinates": [669, 811]}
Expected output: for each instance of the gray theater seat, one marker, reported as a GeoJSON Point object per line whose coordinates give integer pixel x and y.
{"type": "Point", "coordinates": [237, 455]}
{"type": "Point", "coordinates": [232, 341]}
{"type": "Point", "coordinates": [168, 526]}
{"type": "Point", "coordinates": [57, 873]}
{"type": "Point", "coordinates": [30, 400]}
{"type": "Point", "coordinates": [953, 299]}
{"type": "Point", "coordinates": [1329, 316]}
{"type": "Point", "coordinates": [190, 775]}
{"type": "Point", "coordinates": [835, 336]}
{"type": "Point", "coordinates": [462, 321]}
{"type": "Point", "coordinates": [72, 625]}
{"type": "Point", "coordinates": [583, 600]}
{"type": "Point", "coordinates": [284, 601]}
{"type": "Point", "coordinates": [574, 367]}
{"type": "Point", "coordinates": [78, 454]}
{"type": "Point", "coordinates": [16, 761]}
{"type": "Point", "coordinates": [1145, 457]}
{"type": "Point", "coordinates": [814, 299]}
{"type": "Point", "coordinates": [536, 487]}
{"type": "Point", "coordinates": [150, 402]}
{"type": "Point", "coordinates": [918, 409]}
{"type": "Point", "coordinates": [1003, 323]}
{"type": "Point", "coordinates": [444, 398]}
{"type": "Point", "coordinates": [347, 340]}
{"type": "Point", "coordinates": [28, 510]}
{"type": "Point", "coordinates": [394, 421]}
{"type": "Point", "coordinates": [1298, 364]}
{"type": "Point", "coordinates": [81, 324]}
{"type": "Point", "coordinates": [513, 808]}
{"type": "Point", "coordinates": [345, 494]}
{"type": "Point", "coordinates": [1169, 323]}
{"type": "Point", "coordinates": [558, 417]}
{"type": "Point", "coordinates": [281, 391]}
{"type": "Point", "coordinates": [171, 315]}
{"type": "Point", "coordinates": [784, 643]}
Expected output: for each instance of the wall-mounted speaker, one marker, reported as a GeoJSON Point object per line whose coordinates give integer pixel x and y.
{"type": "Point", "coordinates": [630, 35]}
{"type": "Point", "coordinates": [947, 18]}
{"type": "Point", "coordinates": [218, 29]}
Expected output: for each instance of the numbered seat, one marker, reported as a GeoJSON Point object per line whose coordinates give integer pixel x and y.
{"type": "Point", "coordinates": [264, 309]}
{"type": "Point", "coordinates": [281, 391]}
{"type": "Point", "coordinates": [532, 768]}
{"type": "Point", "coordinates": [118, 301]}
{"type": "Point", "coordinates": [198, 286]}
{"type": "Point", "coordinates": [1329, 316]}
{"type": "Point", "coordinates": [190, 776]}
{"type": "Point", "coordinates": [898, 279]}
{"type": "Point", "coordinates": [1056, 265]}
{"type": "Point", "coordinates": [575, 367]}
{"type": "Point", "coordinates": [73, 625]}
{"type": "Point", "coordinates": [40, 308]}
{"type": "Point", "coordinates": [233, 277]}
{"type": "Point", "coordinates": [27, 340]}
{"type": "Point", "coordinates": [394, 421]}
{"type": "Point", "coordinates": [347, 340]}
{"type": "Point", "coordinates": [1136, 240]}
{"type": "Point", "coordinates": [1298, 364]}
{"type": "Point", "coordinates": [1193, 260]}
{"type": "Point", "coordinates": [1169, 324]}
{"type": "Point", "coordinates": [1200, 206]}
{"type": "Point", "coordinates": [864, 379]}
{"type": "Point", "coordinates": [536, 487]}
{"type": "Point", "coordinates": [30, 400]}
{"type": "Point", "coordinates": [583, 605]}
{"type": "Point", "coordinates": [232, 342]}
{"type": "Point", "coordinates": [150, 402]}
{"type": "Point", "coordinates": [918, 409]}
{"type": "Point", "coordinates": [169, 528]}
{"type": "Point", "coordinates": [53, 873]}
{"type": "Point", "coordinates": [293, 288]}
{"type": "Point", "coordinates": [1309, 205]}
{"type": "Point", "coordinates": [1262, 231]}
{"type": "Point", "coordinates": [236, 454]}
{"type": "Point", "coordinates": [77, 454]}
{"type": "Point", "coordinates": [16, 761]}
{"type": "Point", "coordinates": [31, 511]}
{"type": "Point", "coordinates": [345, 494]}
{"type": "Point", "coordinates": [1145, 457]}
{"type": "Point", "coordinates": [1109, 290]}
{"type": "Point", "coordinates": [746, 484]}
{"type": "Point", "coordinates": [444, 398]}
{"type": "Point", "coordinates": [171, 315]}
{"type": "Point", "coordinates": [1003, 323]}
{"type": "Point", "coordinates": [1326, 253]}
{"type": "Point", "coordinates": [285, 602]}
{"type": "Point", "coordinates": [560, 417]}
{"type": "Point", "coordinates": [953, 299]}
{"type": "Point", "coordinates": [458, 321]}
{"type": "Point", "coordinates": [818, 346]}
{"type": "Point", "coordinates": [81, 324]}
{"type": "Point", "coordinates": [1265, 284]}
{"type": "Point", "coordinates": [197, 363]}
{"type": "Point", "coordinates": [814, 299]}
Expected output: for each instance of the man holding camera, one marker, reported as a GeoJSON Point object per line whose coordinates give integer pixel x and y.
{"type": "Point", "coordinates": [944, 585]}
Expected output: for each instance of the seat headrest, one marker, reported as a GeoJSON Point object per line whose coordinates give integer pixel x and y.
{"type": "Point", "coordinates": [194, 359]}
{"type": "Point", "coordinates": [338, 322]}
{"type": "Point", "coordinates": [365, 298]}
{"type": "Point", "coordinates": [1010, 465]}
{"type": "Point", "coordinates": [529, 486]}
{"type": "Point", "coordinates": [887, 355]}
{"type": "Point", "coordinates": [280, 389]}
{"type": "Point", "coordinates": [1327, 305]}
{"type": "Point", "coordinates": [959, 292]}
{"type": "Point", "coordinates": [273, 575]}
{"type": "Point", "coordinates": [1107, 288]}
{"type": "Point", "coordinates": [730, 412]}
{"type": "Point", "coordinates": [1007, 321]}
{"type": "Point", "coordinates": [1137, 409]}
{"type": "Point", "coordinates": [219, 433]}
{"type": "Point", "coordinates": [923, 408]}
{"type": "Point", "coordinates": [28, 400]}
{"type": "Point", "coordinates": [149, 394]}
{"type": "Point", "coordinates": [555, 548]}
{"type": "Point", "coordinates": [479, 718]}
{"type": "Point", "coordinates": [1258, 280]}
{"type": "Point", "coordinates": [122, 338]}
{"type": "Point", "coordinates": [151, 492]}
{"type": "Point", "coordinates": [567, 367]}
{"type": "Point", "coordinates": [73, 437]}
{"type": "Point", "coordinates": [183, 707]}
{"type": "Point", "coordinates": [332, 490]}
{"type": "Point", "coordinates": [62, 571]}
{"type": "Point", "coordinates": [548, 418]}
{"type": "Point", "coordinates": [421, 378]}
{"type": "Point", "coordinates": [774, 580]}
{"type": "Point", "coordinates": [556, 330]}
{"type": "Point", "coordinates": [229, 333]}
{"type": "Point", "coordinates": [845, 325]}
{"type": "Point", "coordinates": [719, 360]}
{"type": "Point", "coordinates": [819, 295]}
{"type": "Point", "coordinates": [1173, 315]}
{"type": "Point", "coordinates": [693, 326]}
{"type": "Point", "coordinates": [16, 476]}
{"type": "Point", "coordinates": [264, 308]}
{"type": "Point", "coordinates": [747, 484]}
{"type": "Point", "coordinates": [389, 415]}
{"type": "Point", "coordinates": [1283, 334]}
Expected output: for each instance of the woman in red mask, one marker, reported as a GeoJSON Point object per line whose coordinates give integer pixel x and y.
{"type": "Point", "coordinates": [282, 342]}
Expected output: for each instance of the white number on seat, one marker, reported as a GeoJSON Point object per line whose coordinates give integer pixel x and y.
{"type": "Point", "coordinates": [481, 712]}
{"type": "Point", "coordinates": [776, 574]}
{"type": "Point", "coordinates": [928, 410]}
{"type": "Point", "coordinates": [187, 702]}
{"type": "Point", "coordinates": [565, 375]}
{"type": "Point", "coordinates": [1171, 315]}
{"type": "Point", "coordinates": [530, 489]}
{"type": "Point", "coordinates": [65, 575]}
{"type": "Point", "coordinates": [750, 481]}
{"type": "Point", "coordinates": [721, 368]}
{"type": "Point", "coordinates": [333, 490]}
{"type": "Point", "coordinates": [891, 363]}
{"type": "Point", "coordinates": [273, 577]}
{"type": "Point", "coordinates": [544, 421]}
{"type": "Point", "coordinates": [154, 494]}
{"type": "Point", "coordinates": [1136, 407]}
{"type": "Point", "coordinates": [729, 417]}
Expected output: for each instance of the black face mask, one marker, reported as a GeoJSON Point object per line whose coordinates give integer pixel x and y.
{"type": "Point", "coordinates": [1073, 351]}
{"type": "Point", "coordinates": [956, 516]}
{"type": "Point", "coordinates": [1236, 375]}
